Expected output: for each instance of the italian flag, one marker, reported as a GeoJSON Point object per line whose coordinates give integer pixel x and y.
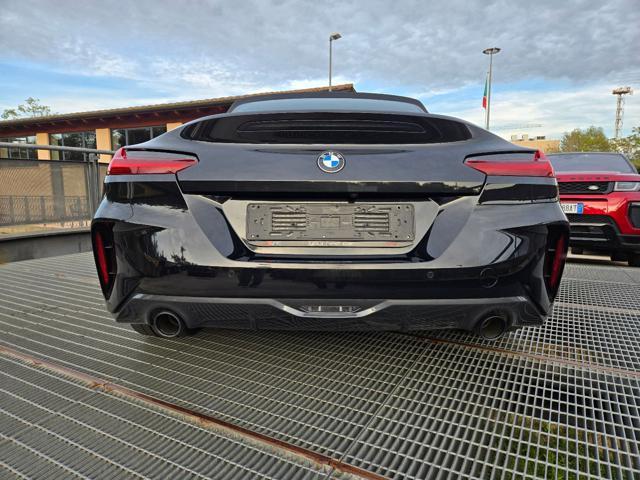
{"type": "Point", "coordinates": [484, 97]}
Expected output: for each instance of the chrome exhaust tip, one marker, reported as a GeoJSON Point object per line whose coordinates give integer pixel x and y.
{"type": "Point", "coordinates": [492, 326]}
{"type": "Point", "coordinates": [167, 324]}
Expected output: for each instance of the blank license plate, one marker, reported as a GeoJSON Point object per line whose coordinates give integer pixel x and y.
{"type": "Point", "coordinates": [572, 208]}
{"type": "Point", "coordinates": [329, 224]}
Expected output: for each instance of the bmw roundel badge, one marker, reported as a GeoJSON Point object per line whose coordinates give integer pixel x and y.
{"type": "Point", "coordinates": [330, 162]}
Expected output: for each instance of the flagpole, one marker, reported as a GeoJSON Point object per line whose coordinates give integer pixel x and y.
{"type": "Point", "coordinates": [486, 93]}
{"type": "Point", "coordinates": [491, 52]}
{"type": "Point", "coordinates": [489, 90]}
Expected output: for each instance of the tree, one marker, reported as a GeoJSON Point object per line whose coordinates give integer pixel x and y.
{"type": "Point", "coordinates": [31, 108]}
{"type": "Point", "coordinates": [630, 145]}
{"type": "Point", "coordinates": [592, 139]}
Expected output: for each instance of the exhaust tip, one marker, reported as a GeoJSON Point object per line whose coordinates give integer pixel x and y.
{"type": "Point", "coordinates": [492, 327]}
{"type": "Point", "coordinates": [167, 324]}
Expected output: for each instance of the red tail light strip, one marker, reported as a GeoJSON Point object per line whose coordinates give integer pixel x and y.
{"type": "Point", "coordinates": [122, 164]}
{"type": "Point", "coordinates": [102, 259]}
{"type": "Point", "coordinates": [559, 258]}
{"type": "Point", "coordinates": [538, 166]}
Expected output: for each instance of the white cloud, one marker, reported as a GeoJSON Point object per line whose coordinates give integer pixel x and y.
{"type": "Point", "coordinates": [557, 111]}
{"type": "Point", "coordinates": [316, 82]}
{"type": "Point", "coordinates": [185, 50]}
{"type": "Point", "coordinates": [433, 46]}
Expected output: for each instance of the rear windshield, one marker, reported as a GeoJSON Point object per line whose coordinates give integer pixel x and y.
{"type": "Point", "coordinates": [590, 162]}
{"type": "Point", "coordinates": [328, 104]}
{"type": "Point", "coordinates": [358, 128]}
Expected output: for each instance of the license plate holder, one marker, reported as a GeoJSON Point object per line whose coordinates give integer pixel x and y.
{"type": "Point", "coordinates": [330, 224]}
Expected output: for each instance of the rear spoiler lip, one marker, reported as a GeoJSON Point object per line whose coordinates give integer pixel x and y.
{"type": "Point", "coordinates": [280, 112]}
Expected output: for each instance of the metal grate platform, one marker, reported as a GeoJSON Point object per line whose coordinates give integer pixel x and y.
{"type": "Point", "coordinates": [57, 428]}
{"type": "Point", "coordinates": [558, 401]}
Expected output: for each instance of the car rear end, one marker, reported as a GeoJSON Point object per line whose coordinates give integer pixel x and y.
{"type": "Point", "coordinates": [232, 221]}
{"type": "Point", "coordinates": [600, 194]}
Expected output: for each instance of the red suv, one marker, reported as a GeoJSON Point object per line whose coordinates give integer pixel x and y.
{"type": "Point", "coordinates": [600, 194]}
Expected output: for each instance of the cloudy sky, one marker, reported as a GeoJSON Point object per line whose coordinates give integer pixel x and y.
{"type": "Point", "coordinates": [559, 60]}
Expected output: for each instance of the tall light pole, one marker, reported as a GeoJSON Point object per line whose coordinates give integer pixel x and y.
{"type": "Point", "coordinates": [620, 93]}
{"type": "Point", "coordinates": [332, 37]}
{"type": "Point", "coordinates": [491, 52]}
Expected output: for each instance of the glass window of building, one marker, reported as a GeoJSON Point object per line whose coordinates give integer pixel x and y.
{"type": "Point", "coordinates": [121, 137]}
{"type": "Point", "coordinates": [19, 153]}
{"type": "Point", "coordinates": [72, 139]}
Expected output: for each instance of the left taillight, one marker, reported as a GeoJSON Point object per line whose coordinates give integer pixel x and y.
{"type": "Point", "coordinates": [104, 255]}
{"type": "Point", "coordinates": [513, 164]}
{"type": "Point", "coordinates": [146, 162]}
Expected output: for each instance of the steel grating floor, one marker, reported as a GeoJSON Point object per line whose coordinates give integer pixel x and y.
{"type": "Point", "coordinates": [559, 401]}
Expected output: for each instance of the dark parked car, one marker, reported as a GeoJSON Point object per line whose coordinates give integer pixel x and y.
{"type": "Point", "coordinates": [335, 211]}
{"type": "Point", "coordinates": [600, 193]}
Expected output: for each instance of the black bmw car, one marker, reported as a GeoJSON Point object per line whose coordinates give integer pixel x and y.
{"type": "Point", "coordinates": [338, 211]}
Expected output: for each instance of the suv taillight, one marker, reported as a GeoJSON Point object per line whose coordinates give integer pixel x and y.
{"type": "Point", "coordinates": [144, 162]}
{"type": "Point", "coordinates": [513, 164]}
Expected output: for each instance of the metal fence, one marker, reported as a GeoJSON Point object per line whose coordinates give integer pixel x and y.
{"type": "Point", "coordinates": [40, 195]}
{"type": "Point", "coordinates": [17, 210]}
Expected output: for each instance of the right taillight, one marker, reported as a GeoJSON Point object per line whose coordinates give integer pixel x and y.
{"type": "Point", "coordinates": [559, 258]}
{"type": "Point", "coordinates": [513, 164]}
{"type": "Point", "coordinates": [145, 162]}
{"type": "Point", "coordinates": [555, 258]}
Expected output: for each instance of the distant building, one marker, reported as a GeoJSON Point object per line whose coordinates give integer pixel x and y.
{"type": "Point", "coordinates": [540, 142]}
{"type": "Point", "coordinates": [113, 128]}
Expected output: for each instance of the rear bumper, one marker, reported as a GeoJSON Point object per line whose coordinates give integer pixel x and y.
{"type": "Point", "coordinates": [344, 297]}
{"type": "Point", "coordinates": [474, 259]}
{"type": "Point", "coordinates": [345, 314]}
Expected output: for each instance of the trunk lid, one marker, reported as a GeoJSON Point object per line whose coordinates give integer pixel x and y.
{"type": "Point", "coordinates": [226, 169]}
{"type": "Point", "coordinates": [383, 154]}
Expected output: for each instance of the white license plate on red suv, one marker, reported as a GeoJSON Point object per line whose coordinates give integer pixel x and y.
{"type": "Point", "coordinates": [577, 208]}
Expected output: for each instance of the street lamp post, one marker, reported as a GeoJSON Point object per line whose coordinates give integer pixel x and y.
{"type": "Point", "coordinates": [491, 52]}
{"type": "Point", "coordinates": [332, 37]}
